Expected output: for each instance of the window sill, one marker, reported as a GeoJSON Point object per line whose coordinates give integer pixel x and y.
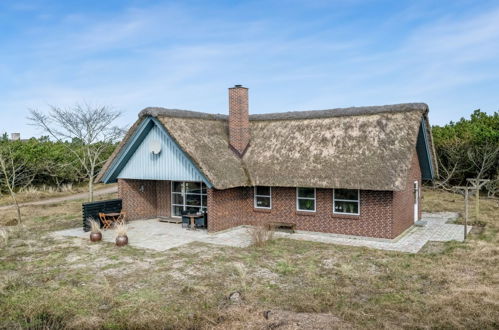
{"type": "Point", "coordinates": [255, 209]}
{"type": "Point", "coordinates": [346, 216]}
{"type": "Point", "coordinates": [305, 213]}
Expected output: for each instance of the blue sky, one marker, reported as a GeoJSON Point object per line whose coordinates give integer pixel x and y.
{"type": "Point", "coordinates": [293, 55]}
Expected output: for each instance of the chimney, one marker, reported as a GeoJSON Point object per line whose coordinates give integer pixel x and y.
{"type": "Point", "coordinates": [15, 136]}
{"type": "Point", "coordinates": [239, 129]}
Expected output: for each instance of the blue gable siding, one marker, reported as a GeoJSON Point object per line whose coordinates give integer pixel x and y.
{"type": "Point", "coordinates": [138, 162]}
{"type": "Point", "coordinates": [424, 155]}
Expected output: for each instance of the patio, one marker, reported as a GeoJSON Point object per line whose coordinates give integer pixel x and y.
{"type": "Point", "coordinates": [160, 236]}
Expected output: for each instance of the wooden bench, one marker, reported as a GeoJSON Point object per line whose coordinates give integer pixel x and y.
{"type": "Point", "coordinates": [282, 226]}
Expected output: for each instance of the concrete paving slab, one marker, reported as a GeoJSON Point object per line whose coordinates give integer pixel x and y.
{"type": "Point", "coordinates": [161, 236]}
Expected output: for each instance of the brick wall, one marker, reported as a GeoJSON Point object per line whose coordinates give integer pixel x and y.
{"type": "Point", "coordinates": [403, 201]}
{"type": "Point", "coordinates": [139, 198]}
{"type": "Point", "coordinates": [383, 214]}
{"type": "Point", "coordinates": [234, 207]}
{"type": "Point", "coordinates": [163, 194]}
{"type": "Point", "coordinates": [239, 130]}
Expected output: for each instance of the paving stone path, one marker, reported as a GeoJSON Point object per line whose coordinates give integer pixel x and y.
{"type": "Point", "coordinates": [160, 236]}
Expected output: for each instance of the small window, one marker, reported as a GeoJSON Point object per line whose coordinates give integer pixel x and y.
{"type": "Point", "coordinates": [305, 199]}
{"type": "Point", "coordinates": [263, 197]}
{"type": "Point", "coordinates": [346, 201]}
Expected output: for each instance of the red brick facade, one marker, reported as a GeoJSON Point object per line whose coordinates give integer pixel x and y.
{"type": "Point", "coordinates": [403, 201]}
{"type": "Point", "coordinates": [383, 214]}
{"type": "Point", "coordinates": [144, 199]}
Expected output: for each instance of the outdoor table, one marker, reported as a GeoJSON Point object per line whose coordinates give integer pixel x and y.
{"type": "Point", "coordinates": [193, 219]}
{"type": "Point", "coordinates": [114, 216]}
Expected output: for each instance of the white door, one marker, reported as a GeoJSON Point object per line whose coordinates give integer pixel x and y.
{"type": "Point", "coordinates": [416, 200]}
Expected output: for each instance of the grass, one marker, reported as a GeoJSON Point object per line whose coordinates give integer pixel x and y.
{"type": "Point", "coordinates": [71, 283]}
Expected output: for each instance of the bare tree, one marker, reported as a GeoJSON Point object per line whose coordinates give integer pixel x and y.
{"type": "Point", "coordinates": [483, 159]}
{"type": "Point", "coordinates": [89, 126]}
{"type": "Point", "coordinates": [14, 174]}
{"type": "Point", "coordinates": [450, 164]}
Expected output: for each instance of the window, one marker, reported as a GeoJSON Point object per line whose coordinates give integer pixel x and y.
{"type": "Point", "coordinates": [305, 199]}
{"type": "Point", "coordinates": [263, 197]}
{"type": "Point", "coordinates": [188, 196]}
{"type": "Point", "coordinates": [346, 201]}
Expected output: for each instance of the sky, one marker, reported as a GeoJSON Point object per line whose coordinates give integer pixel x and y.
{"type": "Point", "coordinates": [292, 55]}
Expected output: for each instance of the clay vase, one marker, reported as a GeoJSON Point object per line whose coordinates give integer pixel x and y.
{"type": "Point", "coordinates": [122, 240]}
{"type": "Point", "coordinates": [95, 237]}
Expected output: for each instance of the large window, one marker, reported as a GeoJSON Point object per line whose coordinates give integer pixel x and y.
{"type": "Point", "coordinates": [263, 197]}
{"type": "Point", "coordinates": [305, 199]}
{"type": "Point", "coordinates": [188, 196]}
{"type": "Point", "coordinates": [346, 201]}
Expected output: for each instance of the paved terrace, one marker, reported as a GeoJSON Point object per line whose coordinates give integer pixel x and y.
{"type": "Point", "coordinates": [160, 236]}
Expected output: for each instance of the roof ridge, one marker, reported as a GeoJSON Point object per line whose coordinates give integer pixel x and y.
{"type": "Point", "coordinates": [290, 115]}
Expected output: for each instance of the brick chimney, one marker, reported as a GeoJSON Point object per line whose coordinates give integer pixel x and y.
{"type": "Point", "coordinates": [239, 129]}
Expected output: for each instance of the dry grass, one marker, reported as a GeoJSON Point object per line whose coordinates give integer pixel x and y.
{"type": "Point", "coordinates": [48, 282]}
{"type": "Point", "coordinates": [94, 226]}
{"type": "Point", "coordinates": [121, 229]}
{"type": "Point", "coordinates": [260, 235]}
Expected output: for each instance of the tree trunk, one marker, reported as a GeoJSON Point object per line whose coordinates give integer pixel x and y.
{"type": "Point", "coordinates": [91, 189]}
{"type": "Point", "coordinates": [18, 208]}
{"type": "Point", "coordinates": [477, 204]}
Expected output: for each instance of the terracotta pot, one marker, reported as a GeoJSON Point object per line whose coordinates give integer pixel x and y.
{"type": "Point", "coordinates": [95, 237]}
{"type": "Point", "coordinates": [122, 240]}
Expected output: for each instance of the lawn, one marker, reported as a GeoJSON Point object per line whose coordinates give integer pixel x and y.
{"type": "Point", "coordinates": [72, 283]}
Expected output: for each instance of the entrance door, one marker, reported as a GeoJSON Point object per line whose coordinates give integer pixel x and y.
{"type": "Point", "coordinates": [188, 196]}
{"type": "Point", "coordinates": [416, 200]}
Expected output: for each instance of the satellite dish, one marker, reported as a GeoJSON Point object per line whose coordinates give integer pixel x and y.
{"type": "Point", "coordinates": [155, 147]}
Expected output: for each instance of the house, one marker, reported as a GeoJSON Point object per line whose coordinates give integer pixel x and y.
{"type": "Point", "coordinates": [354, 171]}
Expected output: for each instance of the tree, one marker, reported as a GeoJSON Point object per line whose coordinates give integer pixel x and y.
{"type": "Point", "coordinates": [468, 148]}
{"type": "Point", "coordinates": [88, 128]}
{"type": "Point", "coordinates": [14, 174]}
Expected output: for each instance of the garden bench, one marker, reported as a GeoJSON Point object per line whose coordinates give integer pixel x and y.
{"type": "Point", "coordinates": [283, 226]}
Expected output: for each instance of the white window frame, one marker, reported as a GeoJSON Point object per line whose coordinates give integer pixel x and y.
{"type": "Point", "coordinates": [306, 198]}
{"type": "Point", "coordinates": [255, 196]}
{"type": "Point", "coordinates": [183, 194]}
{"type": "Point", "coordinates": [346, 200]}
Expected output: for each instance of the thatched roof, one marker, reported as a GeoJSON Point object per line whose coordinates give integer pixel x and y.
{"type": "Point", "coordinates": [358, 148]}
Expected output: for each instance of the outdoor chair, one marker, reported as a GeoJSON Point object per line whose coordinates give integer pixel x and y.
{"type": "Point", "coordinates": [106, 223]}
{"type": "Point", "coordinates": [202, 222]}
{"type": "Point", "coordinates": [120, 220]}
{"type": "Point", "coordinates": [185, 219]}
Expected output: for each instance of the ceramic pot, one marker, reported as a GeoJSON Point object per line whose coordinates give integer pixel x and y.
{"type": "Point", "coordinates": [95, 237]}
{"type": "Point", "coordinates": [122, 240]}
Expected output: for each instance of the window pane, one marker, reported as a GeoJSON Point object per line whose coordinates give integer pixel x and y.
{"type": "Point", "coordinates": [177, 199]}
{"type": "Point", "coordinates": [205, 201]}
{"type": "Point", "coordinates": [177, 210]}
{"type": "Point", "coordinates": [265, 191]}
{"type": "Point", "coordinates": [263, 202]}
{"type": "Point", "coordinates": [306, 192]}
{"type": "Point", "coordinates": [203, 187]}
{"type": "Point", "coordinates": [350, 194]}
{"type": "Point", "coordinates": [193, 200]}
{"type": "Point", "coordinates": [306, 204]}
{"type": "Point", "coordinates": [177, 187]}
{"type": "Point", "coordinates": [193, 187]}
{"type": "Point", "coordinates": [192, 210]}
{"type": "Point", "coordinates": [346, 207]}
